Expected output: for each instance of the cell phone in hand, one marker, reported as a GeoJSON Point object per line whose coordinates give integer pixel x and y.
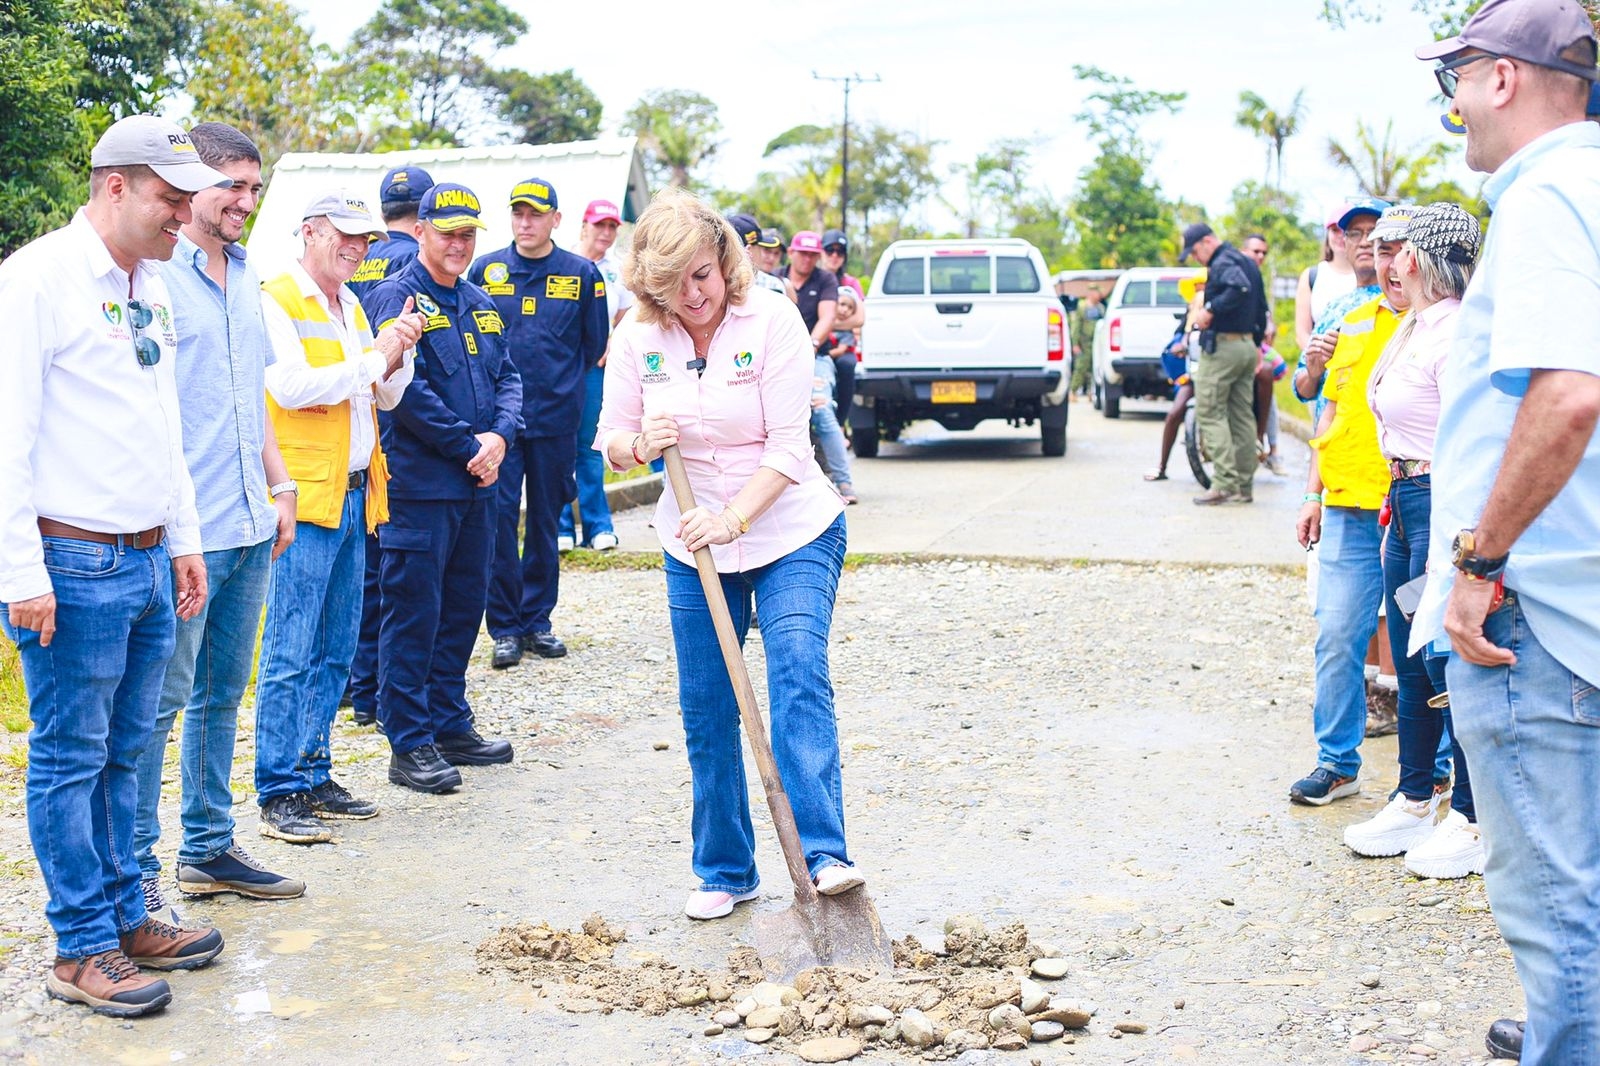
{"type": "Point", "coordinates": [1408, 596]}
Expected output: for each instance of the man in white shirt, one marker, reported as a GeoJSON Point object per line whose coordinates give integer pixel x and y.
{"type": "Point", "coordinates": [99, 542]}
{"type": "Point", "coordinates": [329, 375]}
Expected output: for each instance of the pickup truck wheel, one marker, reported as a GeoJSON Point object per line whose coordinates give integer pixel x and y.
{"type": "Point", "coordinates": [1054, 439]}
{"type": "Point", "coordinates": [1094, 395]}
{"type": "Point", "coordinates": [864, 442]}
{"type": "Point", "coordinates": [1111, 401]}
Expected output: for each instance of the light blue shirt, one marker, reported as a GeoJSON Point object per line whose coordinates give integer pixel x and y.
{"type": "Point", "coordinates": [223, 353]}
{"type": "Point", "coordinates": [1534, 304]}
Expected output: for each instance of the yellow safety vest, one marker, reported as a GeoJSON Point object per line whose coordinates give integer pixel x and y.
{"type": "Point", "coordinates": [1354, 472]}
{"type": "Point", "coordinates": [315, 441]}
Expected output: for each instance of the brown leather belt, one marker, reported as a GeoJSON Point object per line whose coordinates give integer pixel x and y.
{"type": "Point", "coordinates": [356, 480]}
{"type": "Point", "coordinates": [1402, 469]}
{"type": "Point", "coordinates": [149, 538]}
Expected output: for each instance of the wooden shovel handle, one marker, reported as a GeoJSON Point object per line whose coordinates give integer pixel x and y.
{"type": "Point", "coordinates": [749, 711]}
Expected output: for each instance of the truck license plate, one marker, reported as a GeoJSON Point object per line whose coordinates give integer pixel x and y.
{"type": "Point", "coordinates": [955, 392]}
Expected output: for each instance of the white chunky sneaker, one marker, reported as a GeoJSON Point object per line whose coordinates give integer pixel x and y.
{"type": "Point", "coordinates": [837, 878]}
{"type": "Point", "coordinates": [603, 542]}
{"type": "Point", "coordinates": [705, 905]}
{"type": "Point", "coordinates": [1400, 826]}
{"type": "Point", "coordinates": [1454, 849]}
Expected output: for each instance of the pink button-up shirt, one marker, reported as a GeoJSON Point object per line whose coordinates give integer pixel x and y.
{"type": "Point", "coordinates": [751, 408]}
{"type": "Point", "coordinates": [1404, 388]}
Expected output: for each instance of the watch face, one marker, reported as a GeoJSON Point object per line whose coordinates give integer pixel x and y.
{"type": "Point", "coordinates": [1461, 547]}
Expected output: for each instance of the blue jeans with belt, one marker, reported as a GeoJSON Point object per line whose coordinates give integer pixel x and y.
{"type": "Point", "coordinates": [795, 595]}
{"type": "Point", "coordinates": [1532, 730]}
{"type": "Point", "coordinates": [92, 696]}
{"type": "Point", "coordinates": [313, 620]}
{"type": "Point", "coordinates": [206, 679]}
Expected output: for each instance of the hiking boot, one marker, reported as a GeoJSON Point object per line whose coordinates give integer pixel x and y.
{"type": "Point", "coordinates": [545, 645]}
{"type": "Point", "coordinates": [1505, 1039]}
{"type": "Point", "coordinates": [290, 818]}
{"type": "Point", "coordinates": [1454, 849]}
{"type": "Point", "coordinates": [507, 653]}
{"type": "Point", "coordinates": [1322, 786]}
{"type": "Point", "coordinates": [108, 983]}
{"type": "Point", "coordinates": [423, 770]}
{"type": "Point", "coordinates": [157, 945]}
{"type": "Point", "coordinates": [332, 800]}
{"type": "Point", "coordinates": [361, 717]}
{"type": "Point", "coordinates": [236, 871]}
{"type": "Point", "coordinates": [1214, 497]}
{"type": "Point", "coordinates": [470, 749]}
{"type": "Point", "coordinates": [1399, 827]}
{"type": "Point", "coordinates": [155, 902]}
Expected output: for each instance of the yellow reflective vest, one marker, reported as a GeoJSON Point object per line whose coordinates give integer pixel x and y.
{"type": "Point", "coordinates": [315, 441]}
{"type": "Point", "coordinates": [1354, 471]}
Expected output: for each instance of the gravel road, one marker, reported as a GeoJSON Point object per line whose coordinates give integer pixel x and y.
{"type": "Point", "coordinates": [1098, 750]}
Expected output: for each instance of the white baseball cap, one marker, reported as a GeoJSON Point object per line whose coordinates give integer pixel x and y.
{"type": "Point", "coordinates": [146, 140]}
{"type": "Point", "coordinates": [349, 214]}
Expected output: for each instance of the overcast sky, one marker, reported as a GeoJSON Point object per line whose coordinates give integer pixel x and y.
{"type": "Point", "coordinates": [967, 73]}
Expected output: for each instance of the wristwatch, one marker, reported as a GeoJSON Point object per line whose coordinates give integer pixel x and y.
{"type": "Point", "coordinates": [283, 487]}
{"type": "Point", "coordinates": [1476, 567]}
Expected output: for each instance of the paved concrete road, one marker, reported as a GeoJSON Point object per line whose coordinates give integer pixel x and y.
{"type": "Point", "coordinates": [990, 492]}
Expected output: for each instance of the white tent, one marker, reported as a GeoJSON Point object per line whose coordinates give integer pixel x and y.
{"type": "Point", "coordinates": [580, 171]}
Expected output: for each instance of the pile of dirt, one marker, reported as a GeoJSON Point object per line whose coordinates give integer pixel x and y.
{"type": "Point", "coordinates": [980, 989]}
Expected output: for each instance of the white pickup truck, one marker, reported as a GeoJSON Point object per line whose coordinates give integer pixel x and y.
{"type": "Point", "coordinates": [960, 331]}
{"type": "Point", "coordinates": [1140, 318]}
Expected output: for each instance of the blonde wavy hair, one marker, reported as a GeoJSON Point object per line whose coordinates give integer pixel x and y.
{"type": "Point", "coordinates": [675, 228]}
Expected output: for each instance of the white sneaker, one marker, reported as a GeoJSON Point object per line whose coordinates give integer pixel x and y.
{"type": "Point", "coordinates": [835, 879]}
{"type": "Point", "coordinates": [1454, 849]}
{"type": "Point", "coordinates": [704, 905]}
{"type": "Point", "coordinates": [1400, 826]}
{"type": "Point", "coordinates": [564, 544]}
{"type": "Point", "coordinates": [603, 542]}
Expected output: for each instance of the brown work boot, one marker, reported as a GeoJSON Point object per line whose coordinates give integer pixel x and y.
{"type": "Point", "coordinates": [156, 945]}
{"type": "Point", "coordinates": [108, 983]}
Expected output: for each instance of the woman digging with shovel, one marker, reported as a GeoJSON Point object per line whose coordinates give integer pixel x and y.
{"type": "Point", "coordinates": [714, 366]}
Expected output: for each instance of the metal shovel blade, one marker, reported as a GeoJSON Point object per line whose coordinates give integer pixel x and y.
{"type": "Point", "coordinates": [841, 930]}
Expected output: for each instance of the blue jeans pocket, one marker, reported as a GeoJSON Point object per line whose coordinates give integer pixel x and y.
{"type": "Point", "coordinates": [1585, 702]}
{"type": "Point", "coordinates": [78, 558]}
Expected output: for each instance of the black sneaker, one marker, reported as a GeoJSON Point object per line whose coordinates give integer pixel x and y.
{"type": "Point", "coordinates": [361, 717]}
{"type": "Point", "coordinates": [423, 770]}
{"type": "Point", "coordinates": [507, 653]}
{"type": "Point", "coordinates": [1505, 1039]}
{"type": "Point", "coordinates": [1322, 786]}
{"type": "Point", "coordinates": [470, 749]}
{"type": "Point", "coordinates": [545, 645]}
{"type": "Point", "coordinates": [236, 871]}
{"type": "Point", "coordinates": [290, 818]}
{"type": "Point", "coordinates": [332, 800]}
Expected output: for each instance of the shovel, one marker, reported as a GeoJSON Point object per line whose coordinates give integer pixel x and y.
{"type": "Point", "coordinates": [816, 930]}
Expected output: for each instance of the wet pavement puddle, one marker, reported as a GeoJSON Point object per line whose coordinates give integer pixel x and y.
{"type": "Point", "coordinates": [293, 941]}
{"type": "Point", "coordinates": [279, 1005]}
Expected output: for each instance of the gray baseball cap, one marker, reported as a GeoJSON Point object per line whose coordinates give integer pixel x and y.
{"type": "Point", "coordinates": [1391, 225]}
{"type": "Point", "coordinates": [146, 140]}
{"type": "Point", "coordinates": [1534, 31]}
{"type": "Point", "coordinates": [349, 214]}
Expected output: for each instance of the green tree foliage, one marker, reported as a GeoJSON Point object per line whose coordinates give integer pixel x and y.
{"type": "Point", "coordinates": [1392, 171]}
{"type": "Point", "coordinates": [678, 131]}
{"type": "Point", "coordinates": [1274, 127]}
{"type": "Point", "coordinates": [1275, 214]}
{"type": "Point", "coordinates": [438, 49]}
{"type": "Point", "coordinates": [44, 136]}
{"type": "Point", "coordinates": [547, 108]}
{"type": "Point", "coordinates": [138, 53]}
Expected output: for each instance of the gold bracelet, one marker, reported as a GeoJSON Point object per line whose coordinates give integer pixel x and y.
{"type": "Point", "coordinates": [744, 523]}
{"type": "Point", "coordinates": [732, 531]}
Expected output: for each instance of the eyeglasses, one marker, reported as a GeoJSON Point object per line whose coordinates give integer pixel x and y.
{"type": "Point", "coordinates": [140, 316]}
{"type": "Point", "coordinates": [1448, 74]}
{"type": "Point", "coordinates": [1360, 236]}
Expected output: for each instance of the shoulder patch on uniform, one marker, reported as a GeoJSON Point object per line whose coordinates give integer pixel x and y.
{"type": "Point", "coordinates": [426, 304]}
{"type": "Point", "coordinates": [562, 287]}
{"type": "Point", "coordinates": [497, 273]}
{"type": "Point", "coordinates": [599, 289]}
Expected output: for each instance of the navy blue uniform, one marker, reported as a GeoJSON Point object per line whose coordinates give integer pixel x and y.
{"type": "Point", "coordinates": [436, 548]}
{"type": "Point", "coordinates": [384, 258]}
{"type": "Point", "coordinates": [557, 323]}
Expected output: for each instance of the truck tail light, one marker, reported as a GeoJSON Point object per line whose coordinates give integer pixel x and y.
{"type": "Point", "coordinates": [1053, 334]}
{"type": "Point", "coordinates": [1115, 334]}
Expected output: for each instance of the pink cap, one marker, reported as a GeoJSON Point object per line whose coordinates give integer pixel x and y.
{"type": "Point", "coordinates": [806, 241]}
{"type": "Point", "coordinates": [601, 211]}
{"type": "Point", "coordinates": [1335, 215]}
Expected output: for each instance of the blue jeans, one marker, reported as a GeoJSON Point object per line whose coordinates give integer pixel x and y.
{"type": "Point", "coordinates": [364, 667]}
{"type": "Point", "coordinates": [1423, 729]}
{"type": "Point", "coordinates": [92, 696]}
{"type": "Point", "coordinates": [795, 595]}
{"type": "Point", "coordinates": [825, 426]}
{"type": "Point", "coordinates": [1532, 731]}
{"type": "Point", "coordinates": [206, 679]}
{"type": "Point", "coordinates": [313, 620]}
{"type": "Point", "coordinates": [1349, 587]}
{"type": "Point", "coordinates": [592, 505]}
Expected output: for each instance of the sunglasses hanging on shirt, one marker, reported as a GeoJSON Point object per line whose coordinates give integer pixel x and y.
{"type": "Point", "coordinates": [698, 365]}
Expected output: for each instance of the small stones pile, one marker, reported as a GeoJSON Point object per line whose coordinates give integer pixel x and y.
{"type": "Point", "coordinates": [980, 990]}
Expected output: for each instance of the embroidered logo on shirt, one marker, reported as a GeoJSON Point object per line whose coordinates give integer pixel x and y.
{"type": "Point", "coordinates": [488, 321]}
{"type": "Point", "coordinates": [528, 305]}
{"type": "Point", "coordinates": [497, 273]}
{"type": "Point", "coordinates": [562, 287]}
{"type": "Point", "coordinates": [426, 305]}
{"type": "Point", "coordinates": [471, 343]}
{"type": "Point", "coordinates": [742, 359]}
{"type": "Point", "coordinates": [164, 320]}
{"type": "Point", "coordinates": [113, 312]}
{"type": "Point", "coordinates": [656, 376]}
{"type": "Point", "coordinates": [652, 361]}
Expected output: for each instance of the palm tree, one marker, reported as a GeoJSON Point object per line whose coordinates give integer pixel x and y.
{"type": "Point", "coordinates": [1383, 168]}
{"type": "Point", "coordinates": [1272, 126]}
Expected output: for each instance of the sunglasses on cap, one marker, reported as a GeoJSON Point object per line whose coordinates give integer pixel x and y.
{"type": "Point", "coordinates": [1448, 74]}
{"type": "Point", "coordinates": [147, 351]}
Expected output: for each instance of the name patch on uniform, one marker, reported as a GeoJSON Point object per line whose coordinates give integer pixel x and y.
{"type": "Point", "coordinates": [504, 289]}
{"type": "Point", "coordinates": [562, 287]}
{"type": "Point", "coordinates": [471, 342]}
{"type": "Point", "coordinates": [488, 321]}
{"type": "Point", "coordinates": [433, 322]}
{"type": "Point", "coordinates": [528, 305]}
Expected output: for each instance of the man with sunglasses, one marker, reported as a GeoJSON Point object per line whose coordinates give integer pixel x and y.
{"type": "Point", "coordinates": [329, 375]}
{"type": "Point", "coordinates": [1514, 559]}
{"type": "Point", "coordinates": [100, 548]}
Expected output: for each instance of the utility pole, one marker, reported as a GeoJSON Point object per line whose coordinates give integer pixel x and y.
{"type": "Point", "coordinates": [844, 140]}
